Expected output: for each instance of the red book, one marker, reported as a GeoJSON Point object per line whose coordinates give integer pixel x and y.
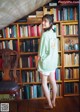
{"type": "Point", "coordinates": [32, 31]}
{"type": "Point", "coordinates": [39, 30]}
{"type": "Point", "coordinates": [29, 30]}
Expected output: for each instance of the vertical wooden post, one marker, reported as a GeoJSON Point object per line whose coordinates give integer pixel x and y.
{"type": "Point", "coordinates": [79, 41]}
{"type": "Point", "coordinates": [79, 29]}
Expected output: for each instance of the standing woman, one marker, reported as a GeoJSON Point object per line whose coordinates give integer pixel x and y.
{"type": "Point", "coordinates": [48, 58]}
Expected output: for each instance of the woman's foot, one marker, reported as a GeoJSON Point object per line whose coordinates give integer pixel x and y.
{"type": "Point", "coordinates": [53, 103]}
{"type": "Point", "coordinates": [48, 106]}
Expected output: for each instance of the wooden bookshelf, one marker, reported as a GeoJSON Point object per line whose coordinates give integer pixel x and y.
{"type": "Point", "coordinates": [24, 37]}
{"type": "Point", "coordinates": [70, 58]}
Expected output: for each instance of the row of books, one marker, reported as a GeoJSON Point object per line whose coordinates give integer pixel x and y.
{"type": "Point", "coordinates": [72, 88]}
{"type": "Point", "coordinates": [68, 13]}
{"type": "Point", "coordinates": [35, 91]}
{"type": "Point", "coordinates": [25, 45]}
{"type": "Point", "coordinates": [25, 30]}
{"type": "Point", "coordinates": [71, 73]}
{"type": "Point", "coordinates": [30, 76]}
{"type": "Point", "coordinates": [32, 91]}
{"type": "Point", "coordinates": [30, 30]}
{"type": "Point", "coordinates": [9, 32]}
{"type": "Point", "coordinates": [27, 61]}
{"type": "Point", "coordinates": [32, 45]}
{"type": "Point", "coordinates": [34, 76]}
{"type": "Point", "coordinates": [31, 61]}
{"type": "Point", "coordinates": [60, 13]}
{"type": "Point", "coordinates": [71, 59]}
{"type": "Point", "coordinates": [34, 30]}
{"type": "Point", "coordinates": [70, 29]}
{"type": "Point", "coordinates": [11, 44]}
{"type": "Point", "coordinates": [29, 45]}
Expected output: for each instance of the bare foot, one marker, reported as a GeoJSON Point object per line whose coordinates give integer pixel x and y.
{"type": "Point", "coordinates": [53, 103]}
{"type": "Point", "coordinates": [50, 105]}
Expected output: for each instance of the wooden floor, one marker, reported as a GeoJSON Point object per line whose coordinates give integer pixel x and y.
{"type": "Point", "coordinates": [66, 104]}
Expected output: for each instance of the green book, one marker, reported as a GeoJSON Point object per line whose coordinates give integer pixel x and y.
{"type": "Point", "coordinates": [27, 92]}
{"type": "Point", "coordinates": [39, 91]}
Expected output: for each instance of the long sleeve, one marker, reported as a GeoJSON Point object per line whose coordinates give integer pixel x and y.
{"type": "Point", "coordinates": [43, 48]}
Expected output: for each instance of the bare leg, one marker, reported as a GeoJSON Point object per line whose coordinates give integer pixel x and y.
{"type": "Point", "coordinates": [45, 89]}
{"type": "Point", "coordinates": [54, 87]}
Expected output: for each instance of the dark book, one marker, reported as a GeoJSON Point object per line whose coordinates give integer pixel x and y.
{"type": "Point", "coordinates": [35, 45]}
{"type": "Point", "coordinates": [0, 75]}
{"type": "Point", "coordinates": [31, 45]}
{"type": "Point", "coordinates": [22, 47]}
{"type": "Point", "coordinates": [27, 92]}
{"type": "Point", "coordinates": [24, 76]}
{"type": "Point", "coordinates": [24, 63]}
{"type": "Point", "coordinates": [27, 45]}
{"type": "Point", "coordinates": [15, 45]}
{"type": "Point", "coordinates": [71, 14]}
{"type": "Point", "coordinates": [39, 91]}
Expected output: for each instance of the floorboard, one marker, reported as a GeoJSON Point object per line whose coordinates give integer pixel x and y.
{"type": "Point", "coordinates": [65, 104]}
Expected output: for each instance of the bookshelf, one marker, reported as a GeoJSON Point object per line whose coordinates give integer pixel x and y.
{"type": "Point", "coordinates": [24, 37]}
{"type": "Point", "coordinates": [70, 58]}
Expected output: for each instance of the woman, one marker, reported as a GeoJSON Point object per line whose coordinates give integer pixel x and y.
{"type": "Point", "coordinates": [48, 58]}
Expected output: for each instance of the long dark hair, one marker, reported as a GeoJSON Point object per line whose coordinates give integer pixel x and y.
{"type": "Point", "coordinates": [50, 18]}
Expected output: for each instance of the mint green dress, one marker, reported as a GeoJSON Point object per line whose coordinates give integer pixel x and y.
{"type": "Point", "coordinates": [48, 52]}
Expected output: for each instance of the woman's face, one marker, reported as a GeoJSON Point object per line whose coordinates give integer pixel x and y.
{"type": "Point", "coordinates": [45, 23]}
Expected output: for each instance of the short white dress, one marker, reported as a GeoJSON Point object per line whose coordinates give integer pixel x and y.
{"type": "Point", "coordinates": [48, 52]}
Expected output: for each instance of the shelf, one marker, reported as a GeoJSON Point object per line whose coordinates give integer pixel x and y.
{"type": "Point", "coordinates": [35, 83]}
{"type": "Point", "coordinates": [69, 22]}
{"type": "Point", "coordinates": [68, 36]}
{"type": "Point", "coordinates": [7, 38]}
{"type": "Point", "coordinates": [71, 80]}
{"type": "Point", "coordinates": [69, 95]}
{"type": "Point", "coordinates": [24, 38]}
{"type": "Point", "coordinates": [29, 22]}
{"type": "Point", "coordinates": [28, 53]}
{"type": "Point", "coordinates": [31, 83]}
{"type": "Point", "coordinates": [59, 66]}
{"type": "Point", "coordinates": [34, 68]}
{"type": "Point", "coordinates": [59, 51]}
{"type": "Point", "coordinates": [43, 98]}
{"type": "Point", "coordinates": [58, 36]}
{"type": "Point", "coordinates": [71, 66]}
{"type": "Point", "coordinates": [71, 51]}
{"type": "Point", "coordinates": [58, 81]}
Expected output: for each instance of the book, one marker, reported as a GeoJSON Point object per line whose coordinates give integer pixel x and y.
{"type": "Point", "coordinates": [24, 76]}
{"type": "Point", "coordinates": [57, 74]}
{"type": "Point", "coordinates": [34, 91]}
{"type": "Point", "coordinates": [39, 91]}
{"type": "Point", "coordinates": [27, 92]}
